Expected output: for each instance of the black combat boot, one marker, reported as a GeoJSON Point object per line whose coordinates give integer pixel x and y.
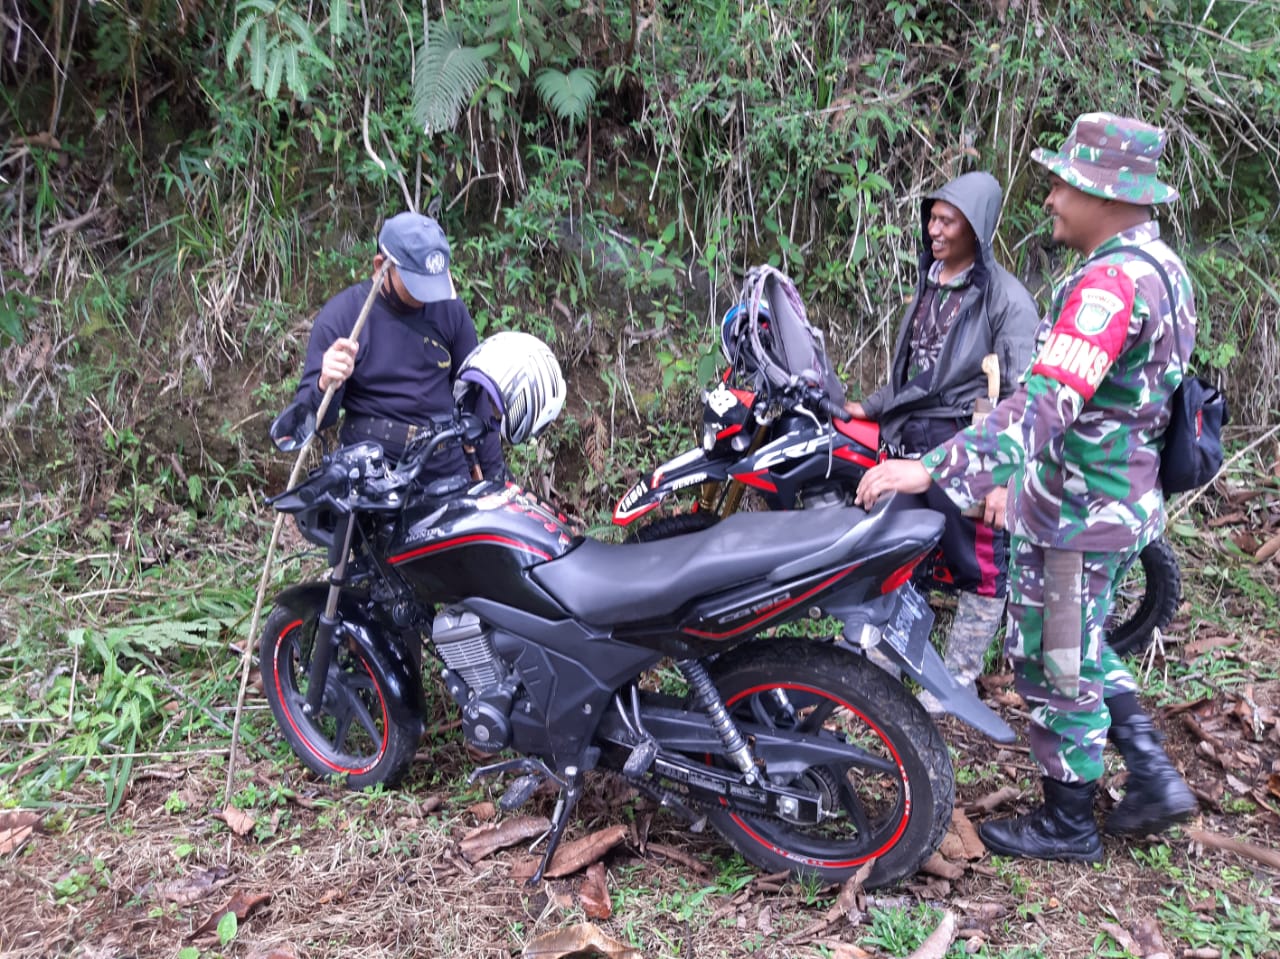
{"type": "Point", "coordinates": [1063, 828]}
{"type": "Point", "coordinates": [1155, 796]}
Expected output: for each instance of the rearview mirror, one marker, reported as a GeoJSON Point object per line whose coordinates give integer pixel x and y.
{"type": "Point", "coordinates": [293, 427]}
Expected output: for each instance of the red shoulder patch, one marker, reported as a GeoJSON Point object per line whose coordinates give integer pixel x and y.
{"type": "Point", "coordinates": [1089, 332]}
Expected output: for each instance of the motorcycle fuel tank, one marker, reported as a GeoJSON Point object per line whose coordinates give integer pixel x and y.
{"type": "Point", "coordinates": [481, 542]}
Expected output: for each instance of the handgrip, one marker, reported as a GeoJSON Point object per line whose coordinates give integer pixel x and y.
{"type": "Point", "coordinates": [834, 410]}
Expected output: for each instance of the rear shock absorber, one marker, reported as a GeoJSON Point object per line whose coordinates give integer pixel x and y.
{"type": "Point", "coordinates": [704, 691]}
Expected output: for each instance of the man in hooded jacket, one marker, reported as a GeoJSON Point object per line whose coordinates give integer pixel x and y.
{"type": "Point", "coordinates": [966, 306]}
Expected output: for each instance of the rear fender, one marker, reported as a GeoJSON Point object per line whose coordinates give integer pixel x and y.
{"type": "Point", "coordinates": [894, 631]}
{"type": "Point", "coordinates": [687, 470]}
{"type": "Point", "coordinates": [960, 701]}
{"type": "Point", "coordinates": [374, 640]}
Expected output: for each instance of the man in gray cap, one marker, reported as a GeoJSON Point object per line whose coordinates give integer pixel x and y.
{"type": "Point", "coordinates": [1081, 439]}
{"type": "Point", "coordinates": [401, 372]}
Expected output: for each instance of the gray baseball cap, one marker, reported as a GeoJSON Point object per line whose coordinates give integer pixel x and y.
{"type": "Point", "coordinates": [420, 251]}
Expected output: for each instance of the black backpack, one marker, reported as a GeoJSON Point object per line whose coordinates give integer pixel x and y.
{"type": "Point", "coordinates": [1192, 453]}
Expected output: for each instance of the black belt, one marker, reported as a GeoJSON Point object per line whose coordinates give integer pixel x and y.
{"type": "Point", "coordinates": [390, 433]}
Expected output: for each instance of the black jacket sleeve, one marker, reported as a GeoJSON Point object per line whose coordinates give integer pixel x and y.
{"type": "Point", "coordinates": [335, 319]}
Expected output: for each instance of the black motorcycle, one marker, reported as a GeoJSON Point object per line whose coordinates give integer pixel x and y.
{"type": "Point", "coordinates": [771, 427]}
{"type": "Point", "coordinates": [800, 752]}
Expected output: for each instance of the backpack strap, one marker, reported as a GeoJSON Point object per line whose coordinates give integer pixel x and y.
{"type": "Point", "coordinates": [1168, 286]}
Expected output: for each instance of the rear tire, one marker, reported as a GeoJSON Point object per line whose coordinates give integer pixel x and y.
{"type": "Point", "coordinates": [355, 733]}
{"type": "Point", "coordinates": [895, 806]}
{"type": "Point", "coordinates": [1145, 600]}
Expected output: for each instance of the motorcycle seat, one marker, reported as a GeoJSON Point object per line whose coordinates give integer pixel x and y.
{"type": "Point", "coordinates": [605, 583]}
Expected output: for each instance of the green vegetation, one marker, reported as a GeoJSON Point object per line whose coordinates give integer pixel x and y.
{"type": "Point", "coordinates": [183, 183]}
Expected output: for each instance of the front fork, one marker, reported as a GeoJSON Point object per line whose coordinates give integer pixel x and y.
{"type": "Point", "coordinates": [326, 640]}
{"type": "Point", "coordinates": [725, 497]}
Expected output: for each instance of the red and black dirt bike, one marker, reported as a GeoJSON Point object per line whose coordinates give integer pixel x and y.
{"type": "Point", "coordinates": [800, 752]}
{"type": "Point", "coordinates": [775, 425]}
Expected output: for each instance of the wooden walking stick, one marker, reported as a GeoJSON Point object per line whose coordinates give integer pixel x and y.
{"type": "Point", "coordinates": [247, 657]}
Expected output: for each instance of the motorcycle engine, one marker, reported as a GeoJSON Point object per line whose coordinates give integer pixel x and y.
{"type": "Point", "coordinates": [466, 646]}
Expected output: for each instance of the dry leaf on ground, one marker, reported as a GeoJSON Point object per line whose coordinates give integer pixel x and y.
{"type": "Point", "coordinates": [242, 903]}
{"type": "Point", "coordinates": [1121, 936]}
{"type": "Point", "coordinates": [852, 901]}
{"type": "Point", "coordinates": [1268, 857]}
{"type": "Point", "coordinates": [842, 950]}
{"type": "Point", "coordinates": [594, 893]}
{"type": "Point", "coordinates": [935, 865]}
{"type": "Point", "coordinates": [974, 848]}
{"type": "Point", "coordinates": [995, 800]}
{"type": "Point", "coordinates": [237, 820]}
{"type": "Point", "coordinates": [688, 860]}
{"type": "Point", "coordinates": [1198, 647]}
{"type": "Point", "coordinates": [577, 940]}
{"type": "Point", "coordinates": [571, 857]}
{"type": "Point", "coordinates": [939, 941]}
{"type": "Point", "coordinates": [488, 839]}
{"type": "Point", "coordinates": [1150, 942]}
{"type": "Point", "coordinates": [16, 827]}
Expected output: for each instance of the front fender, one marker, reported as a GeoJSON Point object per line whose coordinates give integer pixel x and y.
{"type": "Point", "coordinates": [687, 470]}
{"type": "Point", "coordinates": [404, 693]}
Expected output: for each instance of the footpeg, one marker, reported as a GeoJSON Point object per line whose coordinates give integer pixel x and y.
{"type": "Point", "coordinates": [519, 792]}
{"type": "Point", "coordinates": [640, 760]}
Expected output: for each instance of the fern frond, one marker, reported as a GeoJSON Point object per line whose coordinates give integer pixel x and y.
{"type": "Point", "coordinates": [569, 95]}
{"type": "Point", "coordinates": [236, 44]}
{"type": "Point", "coordinates": [448, 73]}
{"type": "Point", "coordinates": [275, 72]}
{"type": "Point", "coordinates": [258, 54]}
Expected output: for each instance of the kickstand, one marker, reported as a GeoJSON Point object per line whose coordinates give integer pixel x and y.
{"type": "Point", "coordinates": [570, 790]}
{"type": "Point", "coordinates": [527, 766]}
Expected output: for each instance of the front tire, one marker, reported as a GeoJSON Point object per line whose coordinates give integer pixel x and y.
{"type": "Point", "coordinates": [354, 733]}
{"type": "Point", "coordinates": [677, 524]}
{"type": "Point", "coordinates": [893, 805]}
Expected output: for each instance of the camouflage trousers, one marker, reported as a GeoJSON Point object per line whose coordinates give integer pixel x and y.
{"type": "Point", "coordinates": [1068, 732]}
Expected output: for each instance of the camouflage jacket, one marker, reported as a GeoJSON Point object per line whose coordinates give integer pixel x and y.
{"type": "Point", "coordinates": [1081, 436]}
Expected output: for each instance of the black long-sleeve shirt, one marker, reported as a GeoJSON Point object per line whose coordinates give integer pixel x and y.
{"type": "Point", "coordinates": [405, 366]}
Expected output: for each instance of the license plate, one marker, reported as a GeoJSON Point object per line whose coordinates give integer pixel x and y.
{"type": "Point", "coordinates": [908, 628]}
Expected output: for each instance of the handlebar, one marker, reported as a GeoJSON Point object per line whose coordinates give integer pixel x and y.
{"type": "Point", "coordinates": [357, 476]}
{"type": "Point", "coordinates": [814, 396]}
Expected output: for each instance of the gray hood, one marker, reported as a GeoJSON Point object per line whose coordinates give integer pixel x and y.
{"type": "Point", "coordinates": [976, 195]}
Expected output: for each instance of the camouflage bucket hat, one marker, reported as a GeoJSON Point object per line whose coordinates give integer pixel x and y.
{"type": "Point", "coordinates": [1110, 156]}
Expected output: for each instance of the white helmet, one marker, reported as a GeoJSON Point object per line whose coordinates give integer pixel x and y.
{"type": "Point", "coordinates": [521, 377]}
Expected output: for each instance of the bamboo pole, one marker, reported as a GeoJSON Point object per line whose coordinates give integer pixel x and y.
{"type": "Point", "coordinates": [247, 658]}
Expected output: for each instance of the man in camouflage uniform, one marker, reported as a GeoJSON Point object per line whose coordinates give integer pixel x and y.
{"type": "Point", "coordinates": [1081, 438]}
